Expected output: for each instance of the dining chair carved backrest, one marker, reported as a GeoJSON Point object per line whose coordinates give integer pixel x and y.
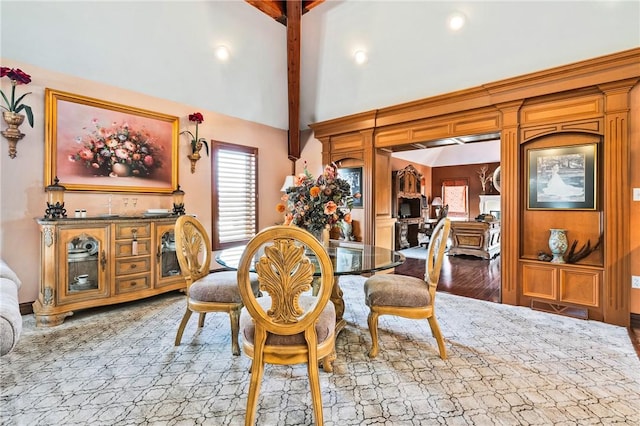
{"type": "Point", "coordinates": [287, 324]}
{"type": "Point", "coordinates": [206, 291]}
{"type": "Point", "coordinates": [409, 297]}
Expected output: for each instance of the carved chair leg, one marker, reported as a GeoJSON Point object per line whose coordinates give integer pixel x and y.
{"type": "Point", "coordinates": [327, 362]}
{"type": "Point", "coordinates": [257, 371]}
{"type": "Point", "coordinates": [201, 319]}
{"type": "Point", "coordinates": [234, 316]}
{"type": "Point", "coordinates": [183, 324]}
{"type": "Point", "coordinates": [314, 384]}
{"type": "Point", "coordinates": [372, 320]}
{"type": "Point", "coordinates": [435, 330]}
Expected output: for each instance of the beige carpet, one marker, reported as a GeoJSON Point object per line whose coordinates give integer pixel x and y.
{"type": "Point", "coordinates": [507, 365]}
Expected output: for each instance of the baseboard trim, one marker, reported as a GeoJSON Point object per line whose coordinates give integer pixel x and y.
{"type": "Point", "coordinates": [26, 308]}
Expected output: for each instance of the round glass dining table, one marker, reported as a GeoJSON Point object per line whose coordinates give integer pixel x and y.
{"type": "Point", "coordinates": [348, 258]}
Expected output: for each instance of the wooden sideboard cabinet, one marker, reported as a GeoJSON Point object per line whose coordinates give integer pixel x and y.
{"type": "Point", "coordinates": [92, 262]}
{"type": "Point", "coordinates": [480, 239]}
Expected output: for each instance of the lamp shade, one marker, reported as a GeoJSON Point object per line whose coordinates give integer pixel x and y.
{"type": "Point", "coordinates": [288, 183]}
{"type": "Point", "coordinates": [437, 202]}
{"type": "Point", "coordinates": [55, 192]}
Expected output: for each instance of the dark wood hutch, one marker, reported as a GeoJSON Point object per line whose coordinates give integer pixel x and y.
{"type": "Point", "coordinates": [562, 106]}
{"type": "Point", "coordinates": [407, 206]}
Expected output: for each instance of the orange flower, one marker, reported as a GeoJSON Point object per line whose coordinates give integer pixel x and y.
{"type": "Point", "coordinates": [330, 207]}
{"type": "Point", "coordinates": [280, 208]}
{"type": "Point", "coordinates": [314, 191]}
{"type": "Point", "coordinates": [347, 217]}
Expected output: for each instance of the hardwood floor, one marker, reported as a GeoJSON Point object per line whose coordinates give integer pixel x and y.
{"type": "Point", "coordinates": [462, 275]}
{"type": "Point", "coordinates": [477, 278]}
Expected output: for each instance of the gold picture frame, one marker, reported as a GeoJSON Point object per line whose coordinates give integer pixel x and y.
{"type": "Point", "coordinates": [100, 146]}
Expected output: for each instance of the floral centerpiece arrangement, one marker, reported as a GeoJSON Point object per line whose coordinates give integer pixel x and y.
{"type": "Point", "coordinates": [118, 150]}
{"type": "Point", "coordinates": [317, 204]}
{"type": "Point", "coordinates": [17, 77]}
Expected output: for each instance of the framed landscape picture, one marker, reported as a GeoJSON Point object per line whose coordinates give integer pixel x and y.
{"type": "Point", "coordinates": [94, 145]}
{"type": "Point", "coordinates": [353, 175]}
{"type": "Point", "coordinates": [563, 177]}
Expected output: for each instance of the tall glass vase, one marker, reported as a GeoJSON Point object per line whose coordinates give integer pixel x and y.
{"type": "Point", "coordinates": [558, 244]}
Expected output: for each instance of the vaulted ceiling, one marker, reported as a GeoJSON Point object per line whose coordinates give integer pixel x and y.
{"type": "Point", "coordinates": [165, 49]}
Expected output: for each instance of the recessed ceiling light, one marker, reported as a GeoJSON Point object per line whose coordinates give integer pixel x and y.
{"type": "Point", "coordinates": [360, 56]}
{"type": "Point", "coordinates": [456, 21]}
{"type": "Point", "coordinates": [222, 53]}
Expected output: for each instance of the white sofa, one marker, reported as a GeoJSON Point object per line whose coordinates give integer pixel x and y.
{"type": "Point", "coordinates": [10, 318]}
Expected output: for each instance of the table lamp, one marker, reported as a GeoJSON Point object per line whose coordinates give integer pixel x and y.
{"type": "Point", "coordinates": [437, 203]}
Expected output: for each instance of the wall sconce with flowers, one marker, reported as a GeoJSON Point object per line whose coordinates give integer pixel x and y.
{"type": "Point", "coordinates": [196, 143]}
{"type": "Point", "coordinates": [14, 107]}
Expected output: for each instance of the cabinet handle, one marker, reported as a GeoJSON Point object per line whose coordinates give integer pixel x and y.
{"type": "Point", "coordinates": [103, 260]}
{"type": "Point", "coordinates": [133, 284]}
{"type": "Point", "coordinates": [134, 233]}
{"type": "Point", "coordinates": [134, 266]}
{"type": "Point", "coordinates": [159, 254]}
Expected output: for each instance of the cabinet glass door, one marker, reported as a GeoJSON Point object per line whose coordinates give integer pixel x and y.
{"type": "Point", "coordinates": [168, 267]}
{"type": "Point", "coordinates": [83, 260]}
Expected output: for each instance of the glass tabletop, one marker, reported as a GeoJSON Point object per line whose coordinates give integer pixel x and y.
{"type": "Point", "coordinates": [347, 258]}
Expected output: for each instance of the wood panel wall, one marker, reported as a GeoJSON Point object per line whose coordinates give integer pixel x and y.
{"type": "Point", "coordinates": [589, 97]}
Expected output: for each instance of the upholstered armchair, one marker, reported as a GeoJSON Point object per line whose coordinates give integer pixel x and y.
{"type": "Point", "coordinates": [409, 297]}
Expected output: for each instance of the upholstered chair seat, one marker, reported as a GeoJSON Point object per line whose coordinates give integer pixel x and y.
{"type": "Point", "coordinates": [220, 287]}
{"type": "Point", "coordinates": [324, 327]}
{"type": "Point", "coordinates": [396, 290]}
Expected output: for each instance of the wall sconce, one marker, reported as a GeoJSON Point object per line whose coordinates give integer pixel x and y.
{"type": "Point", "coordinates": [288, 183]}
{"type": "Point", "coordinates": [437, 203]}
{"type": "Point", "coordinates": [178, 201]}
{"type": "Point", "coordinates": [55, 201]}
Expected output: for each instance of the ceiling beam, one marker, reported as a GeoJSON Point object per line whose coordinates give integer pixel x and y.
{"type": "Point", "coordinates": [294, 15]}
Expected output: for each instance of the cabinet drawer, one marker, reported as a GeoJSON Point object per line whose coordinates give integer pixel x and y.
{"type": "Point", "coordinates": [124, 285]}
{"type": "Point", "coordinates": [126, 230]}
{"type": "Point", "coordinates": [133, 266]}
{"type": "Point", "coordinates": [123, 248]}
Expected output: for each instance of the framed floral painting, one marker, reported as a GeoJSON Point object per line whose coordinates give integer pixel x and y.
{"type": "Point", "coordinates": [94, 145]}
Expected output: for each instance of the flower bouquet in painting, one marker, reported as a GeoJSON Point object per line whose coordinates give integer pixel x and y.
{"type": "Point", "coordinates": [118, 150]}
{"type": "Point", "coordinates": [317, 204]}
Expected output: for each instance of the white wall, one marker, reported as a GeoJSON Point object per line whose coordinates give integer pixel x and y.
{"type": "Point", "coordinates": [22, 193]}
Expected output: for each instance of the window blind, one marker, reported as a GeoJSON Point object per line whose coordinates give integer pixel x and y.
{"type": "Point", "coordinates": [235, 194]}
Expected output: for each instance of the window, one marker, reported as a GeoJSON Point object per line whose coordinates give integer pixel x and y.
{"type": "Point", "coordinates": [455, 193]}
{"type": "Point", "coordinates": [235, 194]}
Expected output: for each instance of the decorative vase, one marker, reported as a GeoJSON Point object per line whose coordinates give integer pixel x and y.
{"type": "Point", "coordinates": [558, 244]}
{"type": "Point", "coordinates": [12, 133]}
{"type": "Point", "coordinates": [121, 169]}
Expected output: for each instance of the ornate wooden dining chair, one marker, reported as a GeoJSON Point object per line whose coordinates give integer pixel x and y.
{"type": "Point", "coordinates": [206, 291]}
{"type": "Point", "coordinates": [287, 325]}
{"type": "Point", "coordinates": [409, 297]}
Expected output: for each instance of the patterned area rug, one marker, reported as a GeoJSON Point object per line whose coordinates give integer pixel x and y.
{"type": "Point", "coordinates": [507, 365]}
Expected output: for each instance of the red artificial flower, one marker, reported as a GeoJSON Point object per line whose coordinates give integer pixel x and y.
{"type": "Point", "coordinates": [196, 117]}
{"type": "Point", "coordinates": [17, 77]}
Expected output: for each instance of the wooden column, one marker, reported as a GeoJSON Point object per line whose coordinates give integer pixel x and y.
{"type": "Point", "coordinates": [616, 199]}
{"type": "Point", "coordinates": [510, 201]}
